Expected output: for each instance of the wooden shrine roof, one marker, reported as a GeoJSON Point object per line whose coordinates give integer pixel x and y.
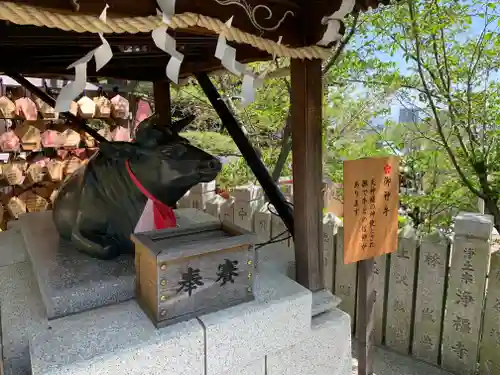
{"type": "Point", "coordinates": [44, 51]}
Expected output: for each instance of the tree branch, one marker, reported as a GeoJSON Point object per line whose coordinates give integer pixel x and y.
{"type": "Point", "coordinates": [433, 106]}
{"type": "Point", "coordinates": [286, 144]}
{"type": "Point", "coordinates": [379, 83]}
{"type": "Point", "coordinates": [447, 95]}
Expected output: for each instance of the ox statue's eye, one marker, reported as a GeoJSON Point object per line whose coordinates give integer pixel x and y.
{"type": "Point", "coordinates": [177, 150]}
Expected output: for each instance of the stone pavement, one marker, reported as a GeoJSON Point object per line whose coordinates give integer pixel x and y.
{"type": "Point", "coordinates": [391, 363]}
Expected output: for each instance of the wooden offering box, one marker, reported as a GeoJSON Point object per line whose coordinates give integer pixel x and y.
{"type": "Point", "coordinates": [186, 272]}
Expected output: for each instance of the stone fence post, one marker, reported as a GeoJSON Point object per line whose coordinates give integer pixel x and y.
{"type": "Point", "coordinates": [400, 291]}
{"type": "Point", "coordinates": [430, 297]}
{"type": "Point", "coordinates": [466, 291]}
{"type": "Point", "coordinates": [489, 355]}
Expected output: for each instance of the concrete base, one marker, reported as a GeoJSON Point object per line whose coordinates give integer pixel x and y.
{"type": "Point", "coordinates": [326, 351]}
{"type": "Point", "coordinates": [70, 281]}
{"type": "Point", "coordinates": [12, 248]}
{"type": "Point", "coordinates": [99, 341]}
{"type": "Point", "coordinates": [278, 256]}
{"type": "Point", "coordinates": [271, 335]}
{"type": "Point", "coordinates": [22, 313]}
{"type": "Point", "coordinates": [117, 339]}
{"type": "Point", "coordinates": [279, 317]}
{"type": "Point", "coordinates": [238, 337]}
{"type": "Point", "coordinates": [323, 301]}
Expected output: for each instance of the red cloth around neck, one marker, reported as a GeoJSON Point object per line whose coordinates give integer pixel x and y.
{"type": "Point", "coordinates": [164, 216]}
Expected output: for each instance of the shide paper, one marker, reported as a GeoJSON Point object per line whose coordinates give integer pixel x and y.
{"type": "Point", "coordinates": [73, 89]}
{"type": "Point", "coordinates": [168, 45]}
{"type": "Point", "coordinates": [167, 8]}
{"type": "Point", "coordinates": [102, 56]}
{"type": "Point", "coordinates": [251, 83]}
{"type": "Point", "coordinates": [104, 13]}
{"type": "Point", "coordinates": [279, 42]}
{"type": "Point", "coordinates": [227, 54]}
{"type": "Point", "coordinates": [332, 32]}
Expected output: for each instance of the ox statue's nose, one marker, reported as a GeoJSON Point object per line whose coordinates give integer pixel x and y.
{"type": "Point", "coordinates": [210, 166]}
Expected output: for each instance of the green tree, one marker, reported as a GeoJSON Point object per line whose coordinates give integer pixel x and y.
{"type": "Point", "coordinates": [448, 50]}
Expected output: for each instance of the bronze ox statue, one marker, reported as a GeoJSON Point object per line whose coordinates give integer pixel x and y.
{"type": "Point", "coordinates": [99, 205]}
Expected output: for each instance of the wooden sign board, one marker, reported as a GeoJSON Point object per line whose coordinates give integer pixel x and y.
{"type": "Point", "coordinates": [371, 204]}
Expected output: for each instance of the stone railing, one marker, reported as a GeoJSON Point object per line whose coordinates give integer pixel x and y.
{"type": "Point", "coordinates": [438, 298]}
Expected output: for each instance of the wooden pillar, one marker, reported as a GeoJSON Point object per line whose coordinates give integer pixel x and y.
{"type": "Point", "coordinates": [307, 145]}
{"type": "Point", "coordinates": [161, 91]}
{"type": "Point", "coordinates": [366, 316]}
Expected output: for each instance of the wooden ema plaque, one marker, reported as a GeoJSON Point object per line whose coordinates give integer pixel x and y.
{"type": "Point", "coordinates": [182, 273]}
{"type": "Point", "coordinates": [371, 203]}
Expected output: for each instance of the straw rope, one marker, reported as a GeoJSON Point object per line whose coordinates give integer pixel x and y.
{"type": "Point", "coordinates": [29, 15]}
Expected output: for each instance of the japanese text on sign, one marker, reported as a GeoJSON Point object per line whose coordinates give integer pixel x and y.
{"type": "Point", "coordinates": [370, 207]}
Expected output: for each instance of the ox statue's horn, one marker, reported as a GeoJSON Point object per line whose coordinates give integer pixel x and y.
{"type": "Point", "coordinates": [179, 125]}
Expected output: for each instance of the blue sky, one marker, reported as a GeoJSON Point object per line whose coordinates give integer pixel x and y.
{"type": "Point", "coordinates": [472, 33]}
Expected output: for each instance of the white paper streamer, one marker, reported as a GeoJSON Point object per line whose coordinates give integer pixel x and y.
{"type": "Point", "coordinates": [345, 8]}
{"type": "Point", "coordinates": [332, 33]}
{"type": "Point", "coordinates": [164, 18]}
{"type": "Point", "coordinates": [167, 8]}
{"type": "Point", "coordinates": [73, 89]}
{"type": "Point", "coordinates": [102, 54]}
{"type": "Point", "coordinates": [278, 42]}
{"type": "Point", "coordinates": [174, 67]}
{"type": "Point", "coordinates": [227, 54]}
{"type": "Point", "coordinates": [333, 22]}
{"type": "Point", "coordinates": [251, 83]}
{"type": "Point", "coordinates": [168, 45]}
{"type": "Point", "coordinates": [68, 93]}
{"type": "Point", "coordinates": [103, 15]}
{"type": "Point", "coordinates": [229, 62]}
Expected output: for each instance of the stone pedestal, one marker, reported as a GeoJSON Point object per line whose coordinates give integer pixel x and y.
{"type": "Point", "coordinates": [70, 281]}
{"type": "Point", "coordinates": [103, 340]}
{"type": "Point", "coordinates": [272, 334]}
{"type": "Point", "coordinates": [253, 338]}
{"type": "Point", "coordinates": [12, 249]}
{"type": "Point", "coordinates": [22, 313]}
{"type": "Point", "coordinates": [320, 353]}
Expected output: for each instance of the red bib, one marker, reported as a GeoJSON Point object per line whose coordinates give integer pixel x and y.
{"type": "Point", "coordinates": [164, 216]}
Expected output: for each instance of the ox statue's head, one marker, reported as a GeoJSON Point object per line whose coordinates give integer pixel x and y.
{"type": "Point", "coordinates": [166, 164]}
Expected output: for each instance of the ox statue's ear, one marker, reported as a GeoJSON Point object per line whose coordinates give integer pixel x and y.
{"type": "Point", "coordinates": [179, 125]}
{"type": "Point", "coordinates": [118, 150]}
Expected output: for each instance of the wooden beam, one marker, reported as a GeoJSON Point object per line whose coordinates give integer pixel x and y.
{"type": "Point", "coordinates": [161, 92]}
{"type": "Point", "coordinates": [272, 191]}
{"type": "Point", "coordinates": [77, 122]}
{"type": "Point", "coordinates": [131, 66]}
{"type": "Point", "coordinates": [306, 101]}
{"type": "Point", "coordinates": [366, 316]}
